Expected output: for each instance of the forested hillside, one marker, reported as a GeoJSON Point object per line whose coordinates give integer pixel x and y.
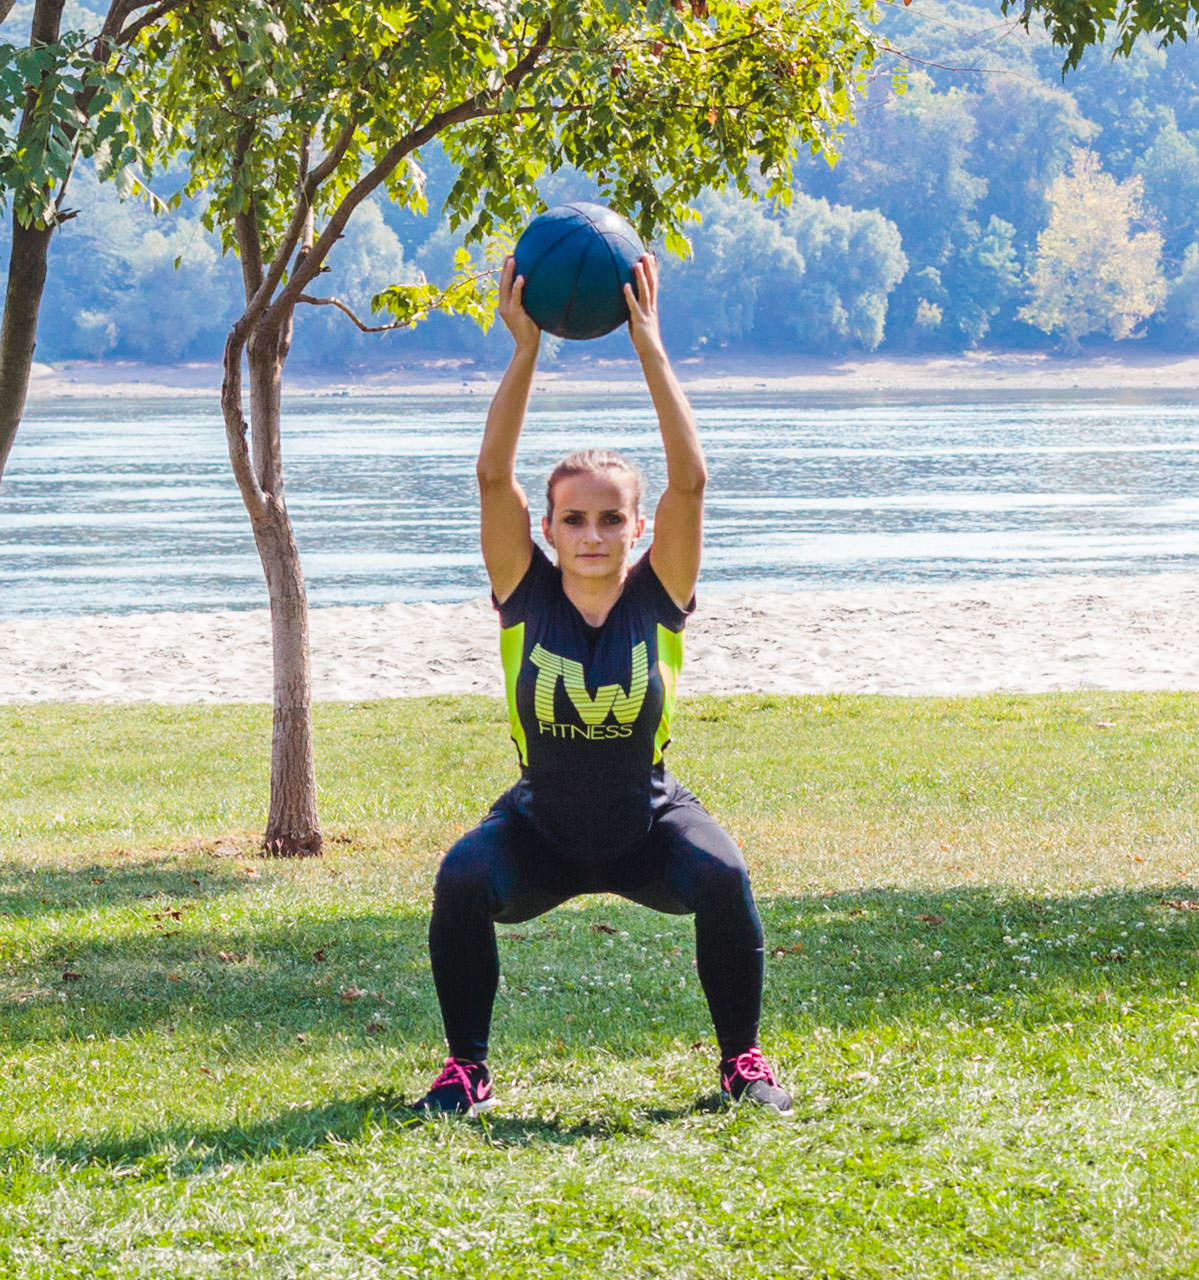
{"type": "Point", "coordinates": [991, 203]}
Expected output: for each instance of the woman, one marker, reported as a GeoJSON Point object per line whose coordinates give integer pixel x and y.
{"type": "Point", "coordinates": [591, 650]}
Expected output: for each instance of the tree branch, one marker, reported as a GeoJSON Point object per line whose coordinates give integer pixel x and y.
{"type": "Point", "coordinates": [469, 109]}
{"type": "Point", "coordinates": [940, 66]}
{"type": "Point", "coordinates": [260, 300]}
{"type": "Point", "coordinates": [308, 233]}
{"type": "Point", "coordinates": [236, 426]}
{"type": "Point", "coordinates": [345, 310]}
{"type": "Point", "coordinates": [114, 34]}
{"type": "Point", "coordinates": [131, 32]}
{"type": "Point", "coordinates": [118, 11]}
{"type": "Point", "coordinates": [246, 227]}
{"type": "Point", "coordinates": [436, 305]}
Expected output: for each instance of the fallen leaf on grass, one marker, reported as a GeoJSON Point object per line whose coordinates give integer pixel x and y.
{"type": "Point", "coordinates": [930, 919]}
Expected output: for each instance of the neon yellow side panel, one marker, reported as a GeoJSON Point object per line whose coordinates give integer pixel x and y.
{"type": "Point", "coordinates": [512, 647]}
{"type": "Point", "coordinates": [670, 663]}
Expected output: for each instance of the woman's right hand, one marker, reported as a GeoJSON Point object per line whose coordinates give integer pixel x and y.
{"type": "Point", "coordinates": [511, 309]}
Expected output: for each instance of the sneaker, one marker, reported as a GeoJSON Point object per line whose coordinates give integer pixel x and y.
{"type": "Point", "coordinates": [464, 1088]}
{"type": "Point", "coordinates": [748, 1078]}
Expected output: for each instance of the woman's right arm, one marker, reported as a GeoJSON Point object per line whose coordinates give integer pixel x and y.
{"type": "Point", "coordinates": [504, 510]}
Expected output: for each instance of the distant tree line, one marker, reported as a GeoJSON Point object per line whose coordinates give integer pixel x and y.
{"type": "Point", "coordinates": [995, 202]}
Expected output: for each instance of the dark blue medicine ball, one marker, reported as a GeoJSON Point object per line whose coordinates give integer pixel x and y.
{"type": "Point", "coordinates": [575, 259]}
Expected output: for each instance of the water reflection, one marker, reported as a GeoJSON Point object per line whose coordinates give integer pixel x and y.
{"type": "Point", "coordinates": [114, 507]}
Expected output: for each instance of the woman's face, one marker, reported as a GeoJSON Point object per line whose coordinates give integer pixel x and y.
{"type": "Point", "coordinates": [594, 525]}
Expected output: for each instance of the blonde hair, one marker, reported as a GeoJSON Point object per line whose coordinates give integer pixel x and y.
{"type": "Point", "coordinates": [595, 462]}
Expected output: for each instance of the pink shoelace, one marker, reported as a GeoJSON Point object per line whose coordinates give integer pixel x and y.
{"type": "Point", "coordinates": [455, 1072]}
{"type": "Point", "coordinates": [750, 1065]}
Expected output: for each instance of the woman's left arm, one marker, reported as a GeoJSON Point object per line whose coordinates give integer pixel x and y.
{"type": "Point", "coordinates": [678, 519]}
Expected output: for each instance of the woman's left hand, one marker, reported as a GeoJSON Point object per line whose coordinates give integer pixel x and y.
{"type": "Point", "coordinates": [642, 297]}
{"type": "Point", "coordinates": [510, 308]}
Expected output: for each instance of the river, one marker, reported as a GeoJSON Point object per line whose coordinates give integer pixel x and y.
{"type": "Point", "coordinates": [118, 506]}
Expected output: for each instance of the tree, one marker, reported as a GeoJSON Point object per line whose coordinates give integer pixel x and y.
{"type": "Point", "coordinates": [72, 100]}
{"type": "Point", "coordinates": [1179, 325]}
{"type": "Point", "coordinates": [853, 260]}
{"type": "Point", "coordinates": [1077, 25]}
{"type": "Point", "coordinates": [1170, 172]}
{"type": "Point", "coordinates": [931, 197]}
{"type": "Point", "coordinates": [984, 280]}
{"type": "Point", "coordinates": [1092, 271]}
{"type": "Point", "coordinates": [741, 256]}
{"type": "Point", "coordinates": [32, 227]}
{"type": "Point", "coordinates": [130, 282]}
{"type": "Point", "coordinates": [369, 252]}
{"type": "Point", "coordinates": [1025, 133]}
{"type": "Point", "coordinates": [934, 190]}
{"type": "Point", "coordinates": [298, 112]}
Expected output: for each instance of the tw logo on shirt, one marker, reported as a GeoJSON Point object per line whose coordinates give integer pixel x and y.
{"type": "Point", "coordinates": [610, 700]}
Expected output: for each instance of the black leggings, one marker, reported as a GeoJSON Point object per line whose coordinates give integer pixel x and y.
{"type": "Point", "coordinates": [504, 871]}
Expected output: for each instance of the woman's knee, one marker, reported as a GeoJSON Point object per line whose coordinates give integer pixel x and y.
{"type": "Point", "coordinates": [469, 872]}
{"type": "Point", "coordinates": [723, 879]}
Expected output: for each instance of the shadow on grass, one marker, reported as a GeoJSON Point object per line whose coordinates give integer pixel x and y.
{"type": "Point", "coordinates": [601, 977]}
{"type": "Point", "coordinates": [207, 945]}
{"type": "Point", "coordinates": [30, 893]}
{"type": "Point", "coordinates": [832, 958]}
{"type": "Point", "coordinates": [851, 958]}
{"type": "Point", "coordinates": [184, 1151]}
{"type": "Point", "coordinates": [256, 986]}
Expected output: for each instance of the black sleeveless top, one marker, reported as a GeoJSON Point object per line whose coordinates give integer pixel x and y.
{"type": "Point", "coordinates": [590, 707]}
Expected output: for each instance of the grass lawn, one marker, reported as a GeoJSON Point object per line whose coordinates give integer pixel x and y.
{"type": "Point", "coordinates": [982, 987]}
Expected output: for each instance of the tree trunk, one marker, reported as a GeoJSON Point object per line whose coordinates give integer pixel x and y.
{"type": "Point", "coordinates": [26, 270]}
{"type": "Point", "coordinates": [18, 334]}
{"type": "Point", "coordinates": [293, 824]}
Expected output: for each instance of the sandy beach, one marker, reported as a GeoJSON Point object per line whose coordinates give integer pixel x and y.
{"type": "Point", "coordinates": [1112, 368]}
{"type": "Point", "coordinates": [1059, 633]}
{"type": "Point", "coordinates": [1020, 636]}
